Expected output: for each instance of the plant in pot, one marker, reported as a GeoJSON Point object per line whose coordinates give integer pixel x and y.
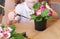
{"type": "Point", "coordinates": [9, 32]}
{"type": "Point", "coordinates": [40, 16]}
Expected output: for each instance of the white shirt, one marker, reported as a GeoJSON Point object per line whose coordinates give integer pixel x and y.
{"type": "Point", "coordinates": [23, 9]}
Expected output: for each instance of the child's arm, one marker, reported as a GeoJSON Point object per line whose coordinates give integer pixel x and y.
{"type": "Point", "coordinates": [13, 18]}
{"type": "Point", "coordinates": [55, 15]}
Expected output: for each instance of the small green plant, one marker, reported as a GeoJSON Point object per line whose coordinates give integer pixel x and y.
{"type": "Point", "coordinates": [9, 33]}
{"type": "Point", "coordinates": [41, 11]}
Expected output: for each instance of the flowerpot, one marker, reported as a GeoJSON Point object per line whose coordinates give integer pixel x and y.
{"type": "Point", "coordinates": [40, 26]}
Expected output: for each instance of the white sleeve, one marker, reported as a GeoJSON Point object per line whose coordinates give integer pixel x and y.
{"type": "Point", "coordinates": [18, 9]}
{"type": "Point", "coordinates": [17, 18]}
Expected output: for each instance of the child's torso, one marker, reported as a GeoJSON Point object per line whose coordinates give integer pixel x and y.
{"type": "Point", "coordinates": [25, 11]}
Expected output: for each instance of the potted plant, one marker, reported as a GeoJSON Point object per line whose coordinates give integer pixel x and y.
{"type": "Point", "coordinates": [9, 32]}
{"type": "Point", "coordinates": [40, 16]}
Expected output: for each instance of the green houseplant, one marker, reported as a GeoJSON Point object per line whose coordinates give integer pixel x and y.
{"type": "Point", "coordinates": [41, 15]}
{"type": "Point", "coordinates": [9, 33]}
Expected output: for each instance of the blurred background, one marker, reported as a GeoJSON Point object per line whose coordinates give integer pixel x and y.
{"type": "Point", "coordinates": [55, 4]}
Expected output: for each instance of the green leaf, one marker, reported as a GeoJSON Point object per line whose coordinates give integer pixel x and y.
{"type": "Point", "coordinates": [38, 19]}
{"type": "Point", "coordinates": [33, 16]}
{"type": "Point", "coordinates": [35, 6]}
{"type": "Point", "coordinates": [48, 17]}
{"type": "Point", "coordinates": [44, 13]}
{"type": "Point", "coordinates": [12, 38]}
{"type": "Point", "coordinates": [44, 2]}
{"type": "Point", "coordinates": [13, 33]}
{"type": "Point", "coordinates": [3, 26]}
{"type": "Point", "coordinates": [18, 36]}
{"type": "Point", "coordinates": [13, 27]}
{"type": "Point", "coordinates": [40, 5]}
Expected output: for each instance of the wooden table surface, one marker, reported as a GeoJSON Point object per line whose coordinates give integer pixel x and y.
{"type": "Point", "coordinates": [52, 31]}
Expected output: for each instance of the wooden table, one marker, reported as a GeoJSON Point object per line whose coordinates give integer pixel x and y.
{"type": "Point", "coordinates": [52, 31]}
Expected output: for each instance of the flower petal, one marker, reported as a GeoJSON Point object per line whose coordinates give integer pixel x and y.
{"type": "Point", "coordinates": [1, 30]}
{"type": "Point", "coordinates": [1, 35]}
{"type": "Point", "coordinates": [42, 8]}
{"type": "Point", "coordinates": [7, 29]}
{"type": "Point", "coordinates": [38, 12]}
{"type": "Point", "coordinates": [6, 35]}
{"type": "Point", "coordinates": [50, 13]}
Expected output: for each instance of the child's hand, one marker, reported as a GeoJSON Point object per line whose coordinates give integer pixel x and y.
{"type": "Point", "coordinates": [11, 17]}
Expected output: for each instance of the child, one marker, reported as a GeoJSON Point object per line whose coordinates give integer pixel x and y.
{"type": "Point", "coordinates": [24, 9]}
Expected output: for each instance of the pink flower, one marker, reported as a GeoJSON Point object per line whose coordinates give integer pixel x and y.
{"type": "Point", "coordinates": [1, 30]}
{"type": "Point", "coordinates": [6, 35]}
{"type": "Point", "coordinates": [50, 13]}
{"type": "Point", "coordinates": [7, 29]}
{"type": "Point", "coordinates": [1, 35]}
{"type": "Point", "coordinates": [42, 8]}
{"type": "Point", "coordinates": [38, 12]}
